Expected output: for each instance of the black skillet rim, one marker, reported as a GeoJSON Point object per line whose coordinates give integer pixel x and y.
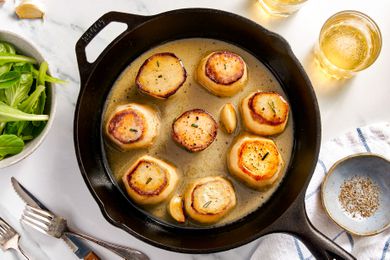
{"type": "Point", "coordinates": [249, 238]}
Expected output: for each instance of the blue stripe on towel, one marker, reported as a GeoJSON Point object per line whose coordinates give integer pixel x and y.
{"type": "Point", "coordinates": [350, 238]}
{"type": "Point", "coordinates": [339, 234]}
{"type": "Point", "coordinates": [299, 250]}
{"type": "Point", "coordinates": [322, 165]}
{"type": "Point", "coordinates": [385, 249]}
{"type": "Point", "coordinates": [363, 139]}
{"type": "Point", "coordinates": [308, 196]}
{"type": "Point", "coordinates": [312, 193]}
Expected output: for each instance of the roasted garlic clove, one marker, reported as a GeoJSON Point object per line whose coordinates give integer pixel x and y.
{"type": "Point", "coordinates": [175, 208]}
{"type": "Point", "coordinates": [228, 118]}
{"type": "Point", "coordinates": [30, 9]}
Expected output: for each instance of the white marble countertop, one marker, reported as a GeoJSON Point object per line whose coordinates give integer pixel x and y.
{"type": "Point", "coordinates": [51, 172]}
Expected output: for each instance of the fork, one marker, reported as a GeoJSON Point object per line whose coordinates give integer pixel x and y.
{"type": "Point", "coordinates": [9, 238]}
{"type": "Point", "coordinates": [56, 226]}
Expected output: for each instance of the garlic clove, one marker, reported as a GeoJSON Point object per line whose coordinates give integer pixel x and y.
{"type": "Point", "coordinates": [30, 9]}
{"type": "Point", "coordinates": [175, 208]}
{"type": "Point", "coordinates": [228, 118]}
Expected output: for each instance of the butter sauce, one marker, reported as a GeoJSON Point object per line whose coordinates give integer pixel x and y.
{"type": "Point", "coordinates": [212, 161]}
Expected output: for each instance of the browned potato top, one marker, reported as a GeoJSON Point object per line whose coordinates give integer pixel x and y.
{"type": "Point", "coordinates": [225, 67]}
{"type": "Point", "coordinates": [259, 159]}
{"type": "Point", "coordinates": [147, 178]}
{"type": "Point", "coordinates": [209, 199]}
{"type": "Point", "coordinates": [161, 75]}
{"type": "Point", "coordinates": [126, 126]}
{"type": "Point", "coordinates": [212, 197]}
{"type": "Point", "coordinates": [195, 130]}
{"type": "Point", "coordinates": [269, 107]}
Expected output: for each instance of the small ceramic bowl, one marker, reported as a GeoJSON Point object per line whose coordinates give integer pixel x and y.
{"type": "Point", "coordinates": [366, 165]}
{"type": "Point", "coordinates": [24, 47]}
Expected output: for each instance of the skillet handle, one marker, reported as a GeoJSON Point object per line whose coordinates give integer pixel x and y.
{"type": "Point", "coordinates": [296, 223]}
{"type": "Point", "coordinates": [132, 22]}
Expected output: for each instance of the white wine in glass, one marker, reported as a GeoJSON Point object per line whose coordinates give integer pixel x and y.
{"type": "Point", "coordinates": [281, 7]}
{"type": "Point", "coordinates": [349, 42]}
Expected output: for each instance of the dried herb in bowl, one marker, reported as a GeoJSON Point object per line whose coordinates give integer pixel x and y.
{"type": "Point", "coordinates": [22, 99]}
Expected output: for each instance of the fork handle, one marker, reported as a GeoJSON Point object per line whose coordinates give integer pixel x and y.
{"type": "Point", "coordinates": [21, 251]}
{"type": "Point", "coordinates": [122, 251]}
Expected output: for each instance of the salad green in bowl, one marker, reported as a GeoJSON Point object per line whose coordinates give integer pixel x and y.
{"type": "Point", "coordinates": [27, 98]}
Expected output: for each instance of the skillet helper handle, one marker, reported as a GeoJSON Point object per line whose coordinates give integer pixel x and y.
{"type": "Point", "coordinates": [131, 20]}
{"type": "Point", "coordinates": [296, 223]}
{"type": "Point", "coordinates": [122, 251]}
{"type": "Point", "coordinates": [319, 245]}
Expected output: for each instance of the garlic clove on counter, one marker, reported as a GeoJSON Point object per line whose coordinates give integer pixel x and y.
{"type": "Point", "coordinates": [30, 9]}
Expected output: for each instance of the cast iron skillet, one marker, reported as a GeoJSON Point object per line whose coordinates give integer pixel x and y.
{"type": "Point", "coordinates": [284, 212]}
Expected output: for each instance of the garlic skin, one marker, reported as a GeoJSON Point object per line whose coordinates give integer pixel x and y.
{"type": "Point", "coordinates": [30, 9]}
{"type": "Point", "coordinates": [228, 118]}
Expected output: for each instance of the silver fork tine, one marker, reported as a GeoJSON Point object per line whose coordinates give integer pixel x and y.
{"type": "Point", "coordinates": [56, 226]}
{"type": "Point", "coordinates": [2, 230]}
{"type": "Point", "coordinates": [3, 225]}
{"type": "Point", "coordinates": [35, 214]}
{"type": "Point", "coordinates": [33, 222]}
{"type": "Point", "coordinates": [40, 212]}
{"type": "Point", "coordinates": [34, 226]}
{"type": "Point", "coordinates": [9, 238]}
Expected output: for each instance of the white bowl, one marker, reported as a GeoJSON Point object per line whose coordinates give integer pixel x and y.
{"type": "Point", "coordinates": [367, 165]}
{"type": "Point", "coordinates": [24, 47]}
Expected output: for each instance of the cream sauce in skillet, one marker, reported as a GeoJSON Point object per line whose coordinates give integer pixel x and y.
{"type": "Point", "coordinates": [212, 161]}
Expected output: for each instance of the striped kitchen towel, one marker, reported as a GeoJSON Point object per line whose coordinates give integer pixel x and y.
{"type": "Point", "coordinates": [373, 138]}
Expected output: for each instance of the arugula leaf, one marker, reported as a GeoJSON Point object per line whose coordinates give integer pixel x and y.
{"type": "Point", "coordinates": [2, 126]}
{"type": "Point", "coordinates": [39, 108]}
{"type": "Point", "coordinates": [22, 129]}
{"type": "Point", "coordinates": [9, 76]}
{"type": "Point", "coordinates": [7, 58]}
{"type": "Point", "coordinates": [39, 104]}
{"type": "Point", "coordinates": [21, 104]}
{"type": "Point", "coordinates": [9, 79]}
{"type": "Point", "coordinates": [48, 78]}
{"type": "Point", "coordinates": [3, 48]}
{"type": "Point", "coordinates": [10, 114]}
{"type": "Point", "coordinates": [12, 128]}
{"type": "Point", "coordinates": [31, 103]}
{"type": "Point", "coordinates": [19, 92]}
{"type": "Point", "coordinates": [5, 68]}
{"type": "Point", "coordinates": [42, 73]}
{"type": "Point", "coordinates": [9, 145]}
{"type": "Point", "coordinates": [7, 48]}
{"type": "Point", "coordinates": [23, 67]}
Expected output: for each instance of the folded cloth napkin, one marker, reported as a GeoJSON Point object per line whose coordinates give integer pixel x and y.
{"type": "Point", "coordinates": [374, 138]}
